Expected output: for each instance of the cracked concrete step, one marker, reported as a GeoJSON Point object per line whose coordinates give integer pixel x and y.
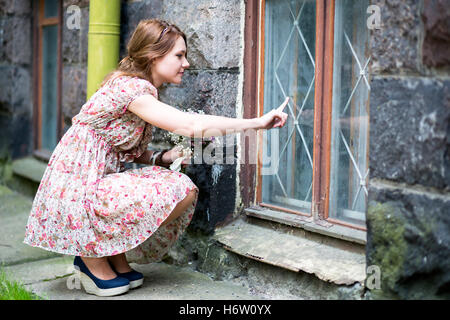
{"type": "Point", "coordinates": [14, 211]}
{"type": "Point", "coordinates": [339, 265]}
{"type": "Point", "coordinates": [26, 175]}
{"type": "Point", "coordinates": [54, 279]}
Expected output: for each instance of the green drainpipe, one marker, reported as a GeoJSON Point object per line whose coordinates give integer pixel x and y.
{"type": "Point", "coordinates": [103, 41]}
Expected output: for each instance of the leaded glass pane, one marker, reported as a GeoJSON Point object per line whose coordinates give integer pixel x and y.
{"type": "Point", "coordinates": [289, 71]}
{"type": "Point", "coordinates": [49, 87]}
{"type": "Point", "coordinates": [349, 144]}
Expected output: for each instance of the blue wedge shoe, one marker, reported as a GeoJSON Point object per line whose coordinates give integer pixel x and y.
{"type": "Point", "coordinates": [136, 278]}
{"type": "Point", "coordinates": [99, 287]}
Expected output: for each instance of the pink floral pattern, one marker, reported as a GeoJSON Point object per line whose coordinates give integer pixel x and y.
{"type": "Point", "coordinates": [88, 205]}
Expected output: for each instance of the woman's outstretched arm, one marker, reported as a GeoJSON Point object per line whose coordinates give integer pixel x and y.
{"type": "Point", "coordinates": [171, 119]}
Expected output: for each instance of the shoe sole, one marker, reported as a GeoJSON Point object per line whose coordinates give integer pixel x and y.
{"type": "Point", "coordinates": [136, 283]}
{"type": "Point", "coordinates": [90, 287]}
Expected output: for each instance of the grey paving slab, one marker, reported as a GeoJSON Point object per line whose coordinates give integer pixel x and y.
{"type": "Point", "coordinates": [14, 211]}
{"type": "Point", "coordinates": [53, 279]}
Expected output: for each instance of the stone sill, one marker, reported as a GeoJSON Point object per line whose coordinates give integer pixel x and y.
{"type": "Point", "coordinates": [333, 260]}
{"type": "Point", "coordinates": [307, 223]}
{"type": "Point", "coordinates": [29, 168]}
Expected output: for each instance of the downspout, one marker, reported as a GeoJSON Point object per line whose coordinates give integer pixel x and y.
{"type": "Point", "coordinates": [103, 41]}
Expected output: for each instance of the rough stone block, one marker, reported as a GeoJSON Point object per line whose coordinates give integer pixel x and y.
{"type": "Point", "coordinates": [436, 43]}
{"type": "Point", "coordinates": [216, 199]}
{"type": "Point", "coordinates": [15, 90]}
{"type": "Point", "coordinates": [16, 47]}
{"type": "Point", "coordinates": [21, 95]}
{"type": "Point", "coordinates": [74, 46]}
{"type": "Point", "coordinates": [74, 91]}
{"type": "Point", "coordinates": [395, 47]}
{"type": "Point", "coordinates": [133, 12]}
{"type": "Point", "coordinates": [84, 35]}
{"type": "Point", "coordinates": [408, 239]}
{"type": "Point", "coordinates": [223, 194]}
{"type": "Point", "coordinates": [80, 3]}
{"type": "Point", "coordinates": [16, 7]}
{"type": "Point", "coordinates": [6, 107]}
{"type": "Point", "coordinates": [213, 92]}
{"type": "Point", "coordinates": [212, 28]}
{"type": "Point", "coordinates": [201, 177]}
{"type": "Point", "coordinates": [5, 142]}
{"type": "Point", "coordinates": [409, 123]}
{"type": "Point", "coordinates": [16, 110]}
{"type": "Point", "coordinates": [21, 139]}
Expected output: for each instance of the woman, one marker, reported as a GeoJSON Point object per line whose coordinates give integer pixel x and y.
{"type": "Point", "coordinates": [87, 205]}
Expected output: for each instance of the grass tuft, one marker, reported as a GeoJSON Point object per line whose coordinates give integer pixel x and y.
{"type": "Point", "coordinates": [13, 290]}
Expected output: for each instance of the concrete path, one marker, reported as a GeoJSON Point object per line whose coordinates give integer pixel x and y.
{"type": "Point", "coordinates": [51, 275]}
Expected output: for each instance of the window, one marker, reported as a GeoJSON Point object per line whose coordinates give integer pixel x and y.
{"type": "Point", "coordinates": [47, 79]}
{"type": "Point", "coordinates": [315, 51]}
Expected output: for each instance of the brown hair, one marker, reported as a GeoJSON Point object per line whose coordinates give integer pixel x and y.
{"type": "Point", "coordinates": [152, 39]}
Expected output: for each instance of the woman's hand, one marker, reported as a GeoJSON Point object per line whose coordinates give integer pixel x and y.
{"type": "Point", "coordinates": [275, 118]}
{"type": "Point", "coordinates": [170, 156]}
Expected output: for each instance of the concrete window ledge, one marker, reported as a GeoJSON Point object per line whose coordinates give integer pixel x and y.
{"type": "Point", "coordinates": [26, 175]}
{"type": "Point", "coordinates": [307, 223]}
{"type": "Point", "coordinates": [29, 168]}
{"type": "Point", "coordinates": [329, 259]}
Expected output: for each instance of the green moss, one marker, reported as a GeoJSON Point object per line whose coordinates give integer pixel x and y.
{"type": "Point", "coordinates": [5, 191]}
{"type": "Point", "coordinates": [5, 167]}
{"type": "Point", "coordinates": [388, 245]}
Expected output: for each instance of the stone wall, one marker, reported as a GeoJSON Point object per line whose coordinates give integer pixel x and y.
{"type": "Point", "coordinates": [409, 192]}
{"type": "Point", "coordinates": [74, 61]}
{"type": "Point", "coordinates": [210, 84]}
{"type": "Point", "coordinates": [16, 99]}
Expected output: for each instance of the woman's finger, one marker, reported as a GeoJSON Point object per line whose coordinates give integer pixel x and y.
{"type": "Point", "coordinates": [283, 105]}
{"type": "Point", "coordinates": [281, 119]}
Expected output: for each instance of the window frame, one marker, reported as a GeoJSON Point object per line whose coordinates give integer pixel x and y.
{"type": "Point", "coordinates": [39, 22]}
{"type": "Point", "coordinates": [323, 92]}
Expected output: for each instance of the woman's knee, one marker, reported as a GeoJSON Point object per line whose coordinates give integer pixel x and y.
{"type": "Point", "coordinates": [181, 207]}
{"type": "Point", "coordinates": [187, 201]}
{"type": "Point", "coordinates": [192, 195]}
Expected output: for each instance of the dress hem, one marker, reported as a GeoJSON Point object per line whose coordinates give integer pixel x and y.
{"type": "Point", "coordinates": [173, 205]}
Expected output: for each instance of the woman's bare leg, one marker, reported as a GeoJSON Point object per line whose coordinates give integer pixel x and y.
{"type": "Point", "coordinates": [120, 263]}
{"type": "Point", "coordinates": [99, 267]}
{"type": "Point", "coordinates": [181, 207]}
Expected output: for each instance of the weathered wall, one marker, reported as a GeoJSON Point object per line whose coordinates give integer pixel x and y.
{"type": "Point", "coordinates": [210, 84]}
{"type": "Point", "coordinates": [74, 61]}
{"type": "Point", "coordinates": [16, 99]}
{"type": "Point", "coordinates": [409, 193]}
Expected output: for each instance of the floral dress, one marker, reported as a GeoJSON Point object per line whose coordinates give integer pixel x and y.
{"type": "Point", "coordinates": [88, 205]}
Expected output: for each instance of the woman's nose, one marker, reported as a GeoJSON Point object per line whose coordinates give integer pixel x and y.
{"type": "Point", "coordinates": [186, 64]}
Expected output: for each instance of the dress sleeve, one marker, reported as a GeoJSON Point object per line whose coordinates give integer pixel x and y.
{"type": "Point", "coordinates": [126, 89]}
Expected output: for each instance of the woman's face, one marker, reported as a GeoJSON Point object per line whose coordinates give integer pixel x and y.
{"type": "Point", "coordinates": [170, 68]}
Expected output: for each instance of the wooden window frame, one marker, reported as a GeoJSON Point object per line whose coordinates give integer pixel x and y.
{"type": "Point", "coordinates": [250, 174]}
{"type": "Point", "coordinates": [39, 22]}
